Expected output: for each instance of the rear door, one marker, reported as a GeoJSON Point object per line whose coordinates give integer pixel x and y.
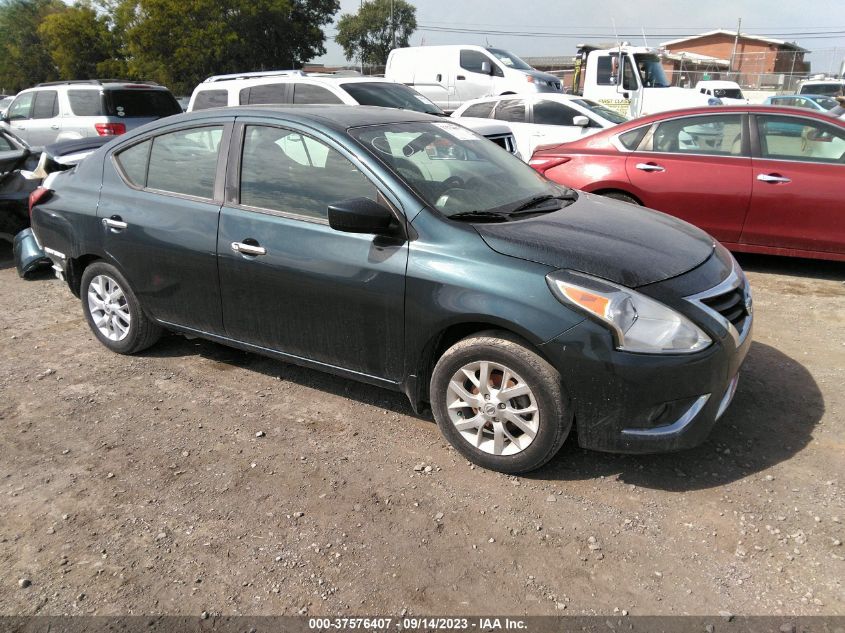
{"type": "Point", "coordinates": [289, 282]}
{"type": "Point", "coordinates": [515, 113]}
{"type": "Point", "coordinates": [798, 182]}
{"type": "Point", "coordinates": [159, 208]}
{"type": "Point", "coordinates": [698, 169]}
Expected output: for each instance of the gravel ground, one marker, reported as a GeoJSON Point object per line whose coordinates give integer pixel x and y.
{"type": "Point", "coordinates": [198, 478]}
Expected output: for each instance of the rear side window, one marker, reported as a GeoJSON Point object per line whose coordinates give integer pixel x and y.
{"type": "Point", "coordinates": [46, 104]}
{"type": "Point", "coordinates": [631, 139]}
{"type": "Point", "coordinates": [480, 110]}
{"type": "Point", "coordinates": [553, 113]}
{"type": "Point", "coordinates": [85, 102]}
{"type": "Point", "coordinates": [719, 135]}
{"type": "Point", "coordinates": [512, 110]}
{"type": "Point", "coordinates": [133, 163]}
{"type": "Point", "coordinates": [141, 103]}
{"type": "Point", "coordinates": [211, 99]}
{"type": "Point", "coordinates": [308, 93]}
{"type": "Point", "coordinates": [269, 93]}
{"type": "Point", "coordinates": [472, 60]}
{"type": "Point", "coordinates": [185, 162]}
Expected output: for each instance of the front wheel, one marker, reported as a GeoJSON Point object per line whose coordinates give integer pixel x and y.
{"type": "Point", "coordinates": [113, 312]}
{"type": "Point", "coordinates": [499, 403]}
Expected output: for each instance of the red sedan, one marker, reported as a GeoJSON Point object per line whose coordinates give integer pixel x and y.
{"type": "Point", "coordinates": [760, 179]}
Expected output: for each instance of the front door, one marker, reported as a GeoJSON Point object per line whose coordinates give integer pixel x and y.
{"type": "Point", "coordinates": [292, 284]}
{"type": "Point", "coordinates": [798, 181]}
{"type": "Point", "coordinates": [697, 169]}
{"type": "Point", "coordinates": [159, 209]}
{"type": "Point", "coordinates": [471, 82]}
{"type": "Point", "coordinates": [18, 115]}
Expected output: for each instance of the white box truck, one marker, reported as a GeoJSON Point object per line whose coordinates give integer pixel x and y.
{"type": "Point", "coordinates": [451, 75]}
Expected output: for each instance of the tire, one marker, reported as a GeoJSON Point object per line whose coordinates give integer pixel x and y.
{"type": "Point", "coordinates": [124, 328]}
{"type": "Point", "coordinates": [624, 197]}
{"type": "Point", "coordinates": [520, 447]}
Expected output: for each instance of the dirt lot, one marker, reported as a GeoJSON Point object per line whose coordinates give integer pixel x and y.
{"type": "Point", "coordinates": [139, 485]}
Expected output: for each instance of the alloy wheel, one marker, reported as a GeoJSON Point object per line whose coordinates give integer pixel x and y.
{"type": "Point", "coordinates": [109, 308]}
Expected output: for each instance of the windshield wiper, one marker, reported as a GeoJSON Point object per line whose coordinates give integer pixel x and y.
{"type": "Point", "coordinates": [479, 215]}
{"type": "Point", "coordinates": [538, 200]}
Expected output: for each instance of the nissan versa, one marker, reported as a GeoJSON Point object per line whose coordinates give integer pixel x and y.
{"type": "Point", "coordinates": [405, 251]}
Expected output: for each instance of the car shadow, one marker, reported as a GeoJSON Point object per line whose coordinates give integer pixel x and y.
{"type": "Point", "coordinates": [228, 358]}
{"type": "Point", "coordinates": [792, 266]}
{"type": "Point", "coordinates": [7, 258]}
{"type": "Point", "coordinates": [776, 407]}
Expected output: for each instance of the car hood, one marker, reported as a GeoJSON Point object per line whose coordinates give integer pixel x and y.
{"type": "Point", "coordinates": [599, 236]}
{"type": "Point", "coordinates": [544, 77]}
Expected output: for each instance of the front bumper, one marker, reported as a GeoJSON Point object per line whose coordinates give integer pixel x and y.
{"type": "Point", "coordinates": [647, 403]}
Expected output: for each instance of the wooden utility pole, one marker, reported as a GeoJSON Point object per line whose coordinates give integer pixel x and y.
{"type": "Point", "coordinates": [736, 42]}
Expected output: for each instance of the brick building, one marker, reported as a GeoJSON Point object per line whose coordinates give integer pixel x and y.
{"type": "Point", "coordinates": [758, 62]}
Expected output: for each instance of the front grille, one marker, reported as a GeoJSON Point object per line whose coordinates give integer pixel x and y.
{"type": "Point", "coordinates": [730, 305]}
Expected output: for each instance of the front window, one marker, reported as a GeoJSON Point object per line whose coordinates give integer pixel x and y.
{"type": "Point", "coordinates": [458, 172]}
{"type": "Point", "coordinates": [509, 59]}
{"type": "Point", "coordinates": [826, 103]}
{"type": "Point", "coordinates": [21, 106]}
{"type": "Point", "coordinates": [651, 71]}
{"type": "Point", "coordinates": [791, 138]}
{"type": "Point", "coordinates": [389, 95]}
{"type": "Point", "coordinates": [600, 110]}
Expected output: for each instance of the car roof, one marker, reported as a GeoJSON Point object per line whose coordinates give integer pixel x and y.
{"type": "Point", "coordinates": [288, 79]}
{"type": "Point", "coordinates": [718, 83]}
{"type": "Point", "coordinates": [544, 96]}
{"type": "Point", "coordinates": [725, 109]}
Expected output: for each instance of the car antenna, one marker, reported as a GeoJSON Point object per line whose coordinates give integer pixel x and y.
{"type": "Point", "coordinates": [645, 41]}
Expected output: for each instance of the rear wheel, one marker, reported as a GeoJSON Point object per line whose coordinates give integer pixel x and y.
{"type": "Point", "coordinates": [113, 312]}
{"type": "Point", "coordinates": [624, 197]}
{"type": "Point", "coordinates": [499, 403]}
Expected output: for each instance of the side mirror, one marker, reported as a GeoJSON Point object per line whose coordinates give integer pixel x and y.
{"type": "Point", "coordinates": [360, 215]}
{"type": "Point", "coordinates": [4, 118]}
{"type": "Point", "coordinates": [580, 121]}
{"type": "Point", "coordinates": [486, 69]}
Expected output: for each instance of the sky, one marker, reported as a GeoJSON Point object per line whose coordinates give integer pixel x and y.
{"type": "Point", "coordinates": [533, 28]}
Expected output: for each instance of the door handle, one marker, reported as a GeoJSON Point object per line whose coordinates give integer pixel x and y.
{"type": "Point", "coordinates": [439, 78]}
{"type": "Point", "coordinates": [650, 167]}
{"type": "Point", "coordinates": [248, 249]}
{"type": "Point", "coordinates": [460, 78]}
{"type": "Point", "coordinates": [54, 127]}
{"type": "Point", "coordinates": [114, 222]}
{"type": "Point", "coordinates": [772, 178]}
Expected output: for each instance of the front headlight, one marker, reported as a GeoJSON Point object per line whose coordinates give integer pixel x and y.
{"type": "Point", "coordinates": [639, 324]}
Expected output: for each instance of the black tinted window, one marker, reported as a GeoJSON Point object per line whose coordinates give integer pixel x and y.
{"type": "Point", "coordinates": [511, 110]}
{"type": "Point", "coordinates": [390, 95]}
{"type": "Point", "coordinates": [472, 60]}
{"type": "Point", "coordinates": [141, 103]}
{"type": "Point", "coordinates": [307, 93]}
{"type": "Point", "coordinates": [604, 72]}
{"type": "Point", "coordinates": [552, 113]}
{"type": "Point", "coordinates": [133, 162]}
{"type": "Point", "coordinates": [288, 171]}
{"type": "Point", "coordinates": [85, 102]}
{"type": "Point", "coordinates": [46, 104]}
{"type": "Point", "coordinates": [211, 99]}
{"type": "Point", "coordinates": [269, 93]}
{"type": "Point", "coordinates": [185, 161]}
{"type": "Point", "coordinates": [480, 110]}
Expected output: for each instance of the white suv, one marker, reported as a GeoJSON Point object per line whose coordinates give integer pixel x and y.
{"type": "Point", "coordinates": [62, 110]}
{"type": "Point", "coordinates": [298, 87]}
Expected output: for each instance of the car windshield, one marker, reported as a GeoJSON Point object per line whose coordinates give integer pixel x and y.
{"type": "Point", "coordinates": [830, 89]}
{"type": "Point", "coordinates": [509, 59]}
{"type": "Point", "coordinates": [390, 95]}
{"type": "Point", "coordinates": [459, 173]}
{"type": "Point", "coordinates": [141, 103]}
{"type": "Point", "coordinates": [651, 71]}
{"type": "Point", "coordinates": [828, 103]}
{"type": "Point", "coordinates": [728, 93]}
{"type": "Point", "coordinates": [600, 110]}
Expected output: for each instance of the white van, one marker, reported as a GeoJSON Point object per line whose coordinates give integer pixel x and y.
{"type": "Point", "coordinates": [728, 91]}
{"type": "Point", "coordinates": [451, 75]}
{"type": "Point", "coordinates": [829, 87]}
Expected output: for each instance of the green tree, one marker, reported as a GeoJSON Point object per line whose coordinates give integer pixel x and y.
{"type": "Point", "coordinates": [180, 42]}
{"type": "Point", "coordinates": [377, 28]}
{"type": "Point", "coordinates": [24, 61]}
{"type": "Point", "coordinates": [79, 42]}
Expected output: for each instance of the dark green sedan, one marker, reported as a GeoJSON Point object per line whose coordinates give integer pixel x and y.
{"type": "Point", "coordinates": [406, 251]}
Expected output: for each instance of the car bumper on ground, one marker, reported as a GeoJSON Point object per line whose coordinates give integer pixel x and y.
{"type": "Point", "coordinates": [28, 254]}
{"type": "Point", "coordinates": [645, 403]}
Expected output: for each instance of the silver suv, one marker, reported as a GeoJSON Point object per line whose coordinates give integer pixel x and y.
{"type": "Point", "coordinates": [63, 110]}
